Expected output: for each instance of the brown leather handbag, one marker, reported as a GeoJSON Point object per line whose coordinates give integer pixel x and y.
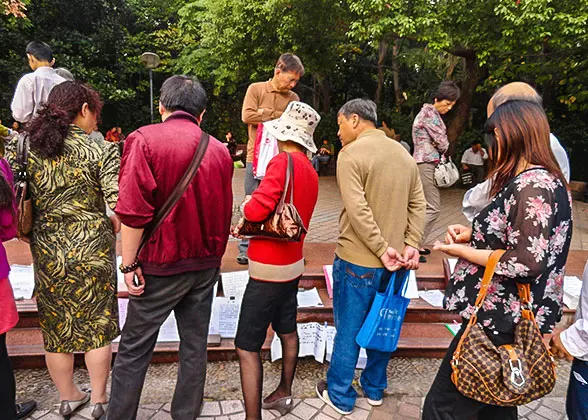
{"type": "Point", "coordinates": [23, 198]}
{"type": "Point", "coordinates": [285, 223]}
{"type": "Point", "coordinates": [509, 375]}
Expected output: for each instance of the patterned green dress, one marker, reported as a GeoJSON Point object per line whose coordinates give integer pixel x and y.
{"type": "Point", "coordinates": [73, 243]}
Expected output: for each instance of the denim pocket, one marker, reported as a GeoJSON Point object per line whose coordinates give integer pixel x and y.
{"type": "Point", "coordinates": [361, 277]}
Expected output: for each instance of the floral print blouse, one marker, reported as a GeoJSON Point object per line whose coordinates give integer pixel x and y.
{"type": "Point", "coordinates": [531, 218]}
{"type": "Point", "coordinates": [429, 135]}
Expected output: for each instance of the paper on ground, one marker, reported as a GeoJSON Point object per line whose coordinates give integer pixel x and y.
{"type": "Point", "coordinates": [412, 291]}
{"type": "Point", "coordinates": [234, 284]}
{"type": "Point", "coordinates": [433, 297]}
{"type": "Point", "coordinates": [328, 270]}
{"type": "Point", "coordinates": [309, 298]}
{"type": "Point", "coordinates": [22, 279]}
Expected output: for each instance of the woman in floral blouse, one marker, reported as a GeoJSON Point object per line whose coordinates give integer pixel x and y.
{"type": "Point", "coordinates": [429, 137]}
{"type": "Point", "coordinates": [530, 216]}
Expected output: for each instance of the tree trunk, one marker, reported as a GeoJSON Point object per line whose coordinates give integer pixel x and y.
{"type": "Point", "coordinates": [315, 93]}
{"type": "Point", "coordinates": [323, 93]}
{"type": "Point", "coordinates": [396, 73]}
{"type": "Point", "coordinates": [474, 74]}
{"type": "Point", "coordinates": [382, 50]}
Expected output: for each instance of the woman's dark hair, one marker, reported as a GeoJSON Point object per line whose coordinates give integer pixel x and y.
{"type": "Point", "coordinates": [447, 90]}
{"type": "Point", "coordinates": [523, 133]}
{"type": "Point", "coordinates": [48, 130]}
{"type": "Point", "coordinates": [6, 193]}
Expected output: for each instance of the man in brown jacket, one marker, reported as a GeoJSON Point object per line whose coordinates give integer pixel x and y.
{"type": "Point", "coordinates": [381, 228]}
{"type": "Point", "coordinates": [265, 101]}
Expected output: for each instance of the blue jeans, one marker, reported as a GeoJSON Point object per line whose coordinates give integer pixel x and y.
{"type": "Point", "coordinates": [354, 290]}
{"type": "Point", "coordinates": [577, 400]}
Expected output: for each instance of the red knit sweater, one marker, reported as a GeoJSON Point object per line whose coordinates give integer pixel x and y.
{"type": "Point", "coordinates": [273, 260]}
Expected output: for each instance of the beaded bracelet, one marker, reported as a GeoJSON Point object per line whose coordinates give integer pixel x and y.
{"type": "Point", "coordinates": [129, 268]}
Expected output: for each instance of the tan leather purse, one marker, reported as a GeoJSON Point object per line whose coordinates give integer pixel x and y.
{"type": "Point", "coordinates": [509, 375]}
{"type": "Point", "coordinates": [285, 223]}
{"type": "Point", "coordinates": [23, 199]}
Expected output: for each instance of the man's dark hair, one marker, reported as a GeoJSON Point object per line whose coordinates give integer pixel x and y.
{"type": "Point", "coordinates": [447, 90]}
{"type": "Point", "coordinates": [476, 142]}
{"type": "Point", "coordinates": [183, 93]}
{"type": "Point", "coordinates": [364, 108]}
{"type": "Point", "coordinates": [40, 51]}
{"type": "Point", "coordinates": [289, 62]}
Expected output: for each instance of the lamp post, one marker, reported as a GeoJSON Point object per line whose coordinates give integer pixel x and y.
{"type": "Point", "coordinates": [150, 60]}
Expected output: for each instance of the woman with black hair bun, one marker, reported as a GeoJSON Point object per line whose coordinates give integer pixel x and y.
{"type": "Point", "coordinates": [73, 241]}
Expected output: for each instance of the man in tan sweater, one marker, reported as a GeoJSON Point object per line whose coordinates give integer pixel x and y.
{"type": "Point", "coordinates": [265, 101]}
{"type": "Point", "coordinates": [381, 228]}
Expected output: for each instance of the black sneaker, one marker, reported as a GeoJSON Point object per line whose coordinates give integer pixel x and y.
{"type": "Point", "coordinates": [323, 394]}
{"type": "Point", "coordinates": [25, 409]}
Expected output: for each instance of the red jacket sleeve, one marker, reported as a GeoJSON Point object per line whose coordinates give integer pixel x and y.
{"type": "Point", "coordinates": [136, 199]}
{"type": "Point", "coordinates": [266, 197]}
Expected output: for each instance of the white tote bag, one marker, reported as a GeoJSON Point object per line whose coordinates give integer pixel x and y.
{"type": "Point", "coordinates": [266, 147]}
{"type": "Point", "coordinates": [446, 173]}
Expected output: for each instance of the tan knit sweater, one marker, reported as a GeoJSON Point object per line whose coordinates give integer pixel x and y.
{"type": "Point", "coordinates": [383, 199]}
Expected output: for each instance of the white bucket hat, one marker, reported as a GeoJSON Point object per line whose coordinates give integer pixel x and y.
{"type": "Point", "coordinates": [296, 124]}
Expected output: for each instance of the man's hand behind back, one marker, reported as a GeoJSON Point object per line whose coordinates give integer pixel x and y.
{"type": "Point", "coordinates": [392, 259]}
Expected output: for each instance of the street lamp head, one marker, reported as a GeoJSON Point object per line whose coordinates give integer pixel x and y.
{"type": "Point", "coordinates": [150, 60]}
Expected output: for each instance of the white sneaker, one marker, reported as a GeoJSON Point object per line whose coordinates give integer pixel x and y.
{"type": "Point", "coordinates": [375, 403]}
{"type": "Point", "coordinates": [323, 394]}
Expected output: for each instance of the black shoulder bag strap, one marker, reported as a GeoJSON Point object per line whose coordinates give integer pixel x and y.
{"type": "Point", "coordinates": [177, 193]}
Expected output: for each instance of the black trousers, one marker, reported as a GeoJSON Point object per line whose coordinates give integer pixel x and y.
{"type": "Point", "coordinates": [7, 384]}
{"type": "Point", "coordinates": [189, 295]}
{"type": "Point", "coordinates": [445, 402]}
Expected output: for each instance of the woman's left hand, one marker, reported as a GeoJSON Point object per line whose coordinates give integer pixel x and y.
{"type": "Point", "coordinates": [237, 228]}
{"type": "Point", "coordinates": [454, 250]}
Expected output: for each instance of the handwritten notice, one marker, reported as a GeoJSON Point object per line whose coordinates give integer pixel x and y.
{"type": "Point", "coordinates": [412, 291]}
{"type": "Point", "coordinates": [433, 297]}
{"type": "Point", "coordinates": [228, 310]}
{"type": "Point", "coordinates": [309, 298]}
{"type": "Point", "coordinates": [315, 340]}
{"type": "Point", "coordinates": [22, 279]}
{"type": "Point", "coordinates": [328, 270]}
{"type": "Point", "coordinates": [234, 284]}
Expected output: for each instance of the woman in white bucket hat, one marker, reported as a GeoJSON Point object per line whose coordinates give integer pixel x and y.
{"type": "Point", "coordinates": [275, 267]}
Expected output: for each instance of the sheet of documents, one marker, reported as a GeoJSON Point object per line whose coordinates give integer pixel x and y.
{"type": "Point", "coordinates": [22, 279]}
{"type": "Point", "coordinates": [313, 339]}
{"type": "Point", "coordinates": [433, 297]}
{"type": "Point", "coordinates": [228, 317]}
{"type": "Point", "coordinates": [453, 328]}
{"type": "Point", "coordinates": [309, 298]}
{"type": "Point", "coordinates": [167, 333]}
{"type": "Point", "coordinates": [328, 270]}
{"type": "Point", "coordinates": [412, 291]}
{"type": "Point", "coordinates": [234, 284]}
{"type": "Point", "coordinates": [572, 290]}
{"type": "Point", "coordinates": [452, 263]}
{"type": "Point", "coordinates": [120, 277]}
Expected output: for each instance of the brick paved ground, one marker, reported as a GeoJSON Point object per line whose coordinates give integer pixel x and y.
{"type": "Point", "coordinates": [324, 228]}
{"type": "Point", "coordinates": [397, 407]}
{"type": "Point", "coordinates": [324, 224]}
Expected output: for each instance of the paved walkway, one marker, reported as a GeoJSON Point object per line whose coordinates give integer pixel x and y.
{"type": "Point", "coordinates": [324, 225]}
{"type": "Point", "coordinates": [409, 378]}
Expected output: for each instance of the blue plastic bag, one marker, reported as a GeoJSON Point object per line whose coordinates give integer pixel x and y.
{"type": "Point", "coordinates": [381, 329]}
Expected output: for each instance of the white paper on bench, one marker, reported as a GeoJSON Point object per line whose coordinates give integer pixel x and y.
{"type": "Point", "coordinates": [432, 297]}
{"type": "Point", "coordinates": [572, 289]}
{"type": "Point", "coordinates": [309, 298]}
{"type": "Point", "coordinates": [22, 279]}
{"type": "Point", "coordinates": [315, 340]}
{"type": "Point", "coordinates": [234, 284]}
{"type": "Point", "coordinates": [412, 291]}
{"type": "Point", "coordinates": [452, 263]}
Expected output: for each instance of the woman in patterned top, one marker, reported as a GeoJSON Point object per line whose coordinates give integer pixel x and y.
{"type": "Point", "coordinates": [530, 216]}
{"type": "Point", "coordinates": [429, 137]}
{"type": "Point", "coordinates": [73, 241]}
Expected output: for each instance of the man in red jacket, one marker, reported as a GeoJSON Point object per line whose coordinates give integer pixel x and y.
{"type": "Point", "coordinates": [180, 264]}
